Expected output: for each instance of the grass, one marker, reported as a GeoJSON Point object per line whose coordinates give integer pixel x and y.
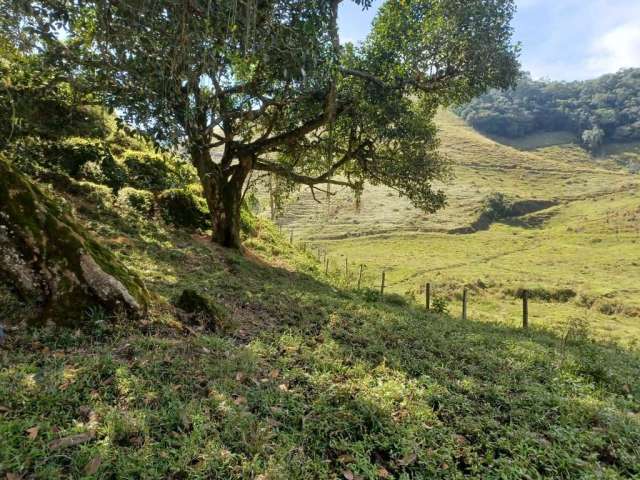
{"type": "Point", "coordinates": [310, 380]}
{"type": "Point", "coordinates": [334, 385]}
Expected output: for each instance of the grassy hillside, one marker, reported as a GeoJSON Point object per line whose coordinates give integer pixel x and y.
{"type": "Point", "coordinates": [587, 244]}
{"type": "Point", "coordinates": [306, 377]}
{"type": "Point", "coordinates": [306, 380]}
{"type": "Point", "coordinates": [481, 166]}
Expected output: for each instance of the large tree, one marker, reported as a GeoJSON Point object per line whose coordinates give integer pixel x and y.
{"type": "Point", "coordinates": [265, 85]}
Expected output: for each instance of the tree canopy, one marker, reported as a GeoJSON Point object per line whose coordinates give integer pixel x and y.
{"type": "Point", "coordinates": [606, 109]}
{"type": "Point", "coordinates": [266, 85]}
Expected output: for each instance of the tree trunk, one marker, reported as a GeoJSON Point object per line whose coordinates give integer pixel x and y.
{"type": "Point", "coordinates": [225, 216]}
{"type": "Point", "coordinates": [223, 192]}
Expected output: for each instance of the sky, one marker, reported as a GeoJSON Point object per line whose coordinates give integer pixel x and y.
{"type": "Point", "coordinates": [561, 39]}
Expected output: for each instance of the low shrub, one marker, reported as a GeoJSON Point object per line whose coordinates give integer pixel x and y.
{"type": "Point", "coordinates": [72, 153]}
{"type": "Point", "coordinates": [148, 171]}
{"type": "Point", "coordinates": [440, 305]}
{"type": "Point", "coordinates": [370, 294]}
{"type": "Point", "coordinates": [107, 171]}
{"type": "Point", "coordinates": [183, 209]}
{"type": "Point", "coordinates": [99, 195]}
{"type": "Point", "coordinates": [561, 295]}
{"type": "Point", "coordinates": [134, 200]}
{"type": "Point", "coordinates": [248, 222]}
{"type": "Point", "coordinates": [156, 172]}
{"type": "Point", "coordinates": [497, 206]}
{"type": "Point", "coordinates": [81, 158]}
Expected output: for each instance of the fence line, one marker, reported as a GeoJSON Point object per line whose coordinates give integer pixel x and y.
{"type": "Point", "coordinates": [323, 258]}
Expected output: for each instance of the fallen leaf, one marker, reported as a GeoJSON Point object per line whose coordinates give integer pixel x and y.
{"type": "Point", "coordinates": [240, 377]}
{"type": "Point", "coordinates": [92, 467]}
{"type": "Point", "coordinates": [346, 458]}
{"type": "Point", "coordinates": [136, 441]}
{"type": "Point", "coordinates": [240, 400]}
{"type": "Point", "coordinates": [32, 432]}
{"type": "Point", "coordinates": [460, 439]}
{"type": "Point", "coordinates": [273, 422]}
{"type": "Point", "coordinates": [383, 473]}
{"type": "Point", "coordinates": [71, 441]}
{"type": "Point", "coordinates": [206, 350]}
{"type": "Point", "coordinates": [84, 411]}
{"type": "Point", "coordinates": [66, 384]}
{"type": "Point", "coordinates": [274, 373]}
{"type": "Point", "coordinates": [283, 387]}
{"type": "Point", "coordinates": [408, 459]}
{"type": "Point", "coordinates": [348, 474]}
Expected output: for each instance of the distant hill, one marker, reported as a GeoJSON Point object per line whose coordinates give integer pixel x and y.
{"type": "Point", "coordinates": [597, 112]}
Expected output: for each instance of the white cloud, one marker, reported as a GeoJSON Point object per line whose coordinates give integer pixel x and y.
{"type": "Point", "coordinates": [616, 49]}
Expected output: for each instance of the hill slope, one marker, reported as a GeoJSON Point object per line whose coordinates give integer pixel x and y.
{"type": "Point", "coordinates": [306, 380]}
{"type": "Point", "coordinates": [586, 245]}
{"type": "Point", "coordinates": [481, 166]}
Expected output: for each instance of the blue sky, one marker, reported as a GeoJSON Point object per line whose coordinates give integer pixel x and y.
{"type": "Point", "coordinates": [561, 39]}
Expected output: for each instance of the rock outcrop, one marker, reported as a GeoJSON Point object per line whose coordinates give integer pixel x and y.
{"type": "Point", "coordinates": [53, 263]}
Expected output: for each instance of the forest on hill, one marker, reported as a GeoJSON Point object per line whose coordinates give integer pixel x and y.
{"type": "Point", "coordinates": [598, 111]}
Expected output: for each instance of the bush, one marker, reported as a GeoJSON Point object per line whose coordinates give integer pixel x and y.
{"type": "Point", "coordinates": [440, 305]}
{"type": "Point", "coordinates": [148, 171]}
{"type": "Point", "coordinates": [561, 295]}
{"type": "Point", "coordinates": [248, 222]}
{"type": "Point", "coordinates": [139, 201]}
{"type": "Point", "coordinates": [107, 172]}
{"type": "Point", "coordinates": [72, 153]}
{"type": "Point", "coordinates": [156, 172]}
{"type": "Point", "coordinates": [370, 294]}
{"type": "Point", "coordinates": [183, 209]}
{"type": "Point", "coordinates": [82, 158]}
{"type": "Point", "coordinates": [497, 206]}
{"type": "Point", "coordinates": [99, 195]}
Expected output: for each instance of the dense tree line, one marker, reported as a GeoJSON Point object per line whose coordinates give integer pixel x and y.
{"type": "Point", "coordinates": [606, 109]}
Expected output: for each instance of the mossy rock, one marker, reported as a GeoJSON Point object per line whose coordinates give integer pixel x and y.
{"type": "Point", "coordinates": [183, 209]}
{"type": "Point", "coordinates": [52, 262]}
{"type": "Point", "coordinates": [201, 311]}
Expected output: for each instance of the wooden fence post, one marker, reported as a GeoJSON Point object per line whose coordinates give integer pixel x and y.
{"type": "Point", "coordinates": [464, 304]}
{"type": "Point", "coordinates": [291, 238]}
{"type": "Point", "coordinates": [382, 286]}
{"type": "Point", "coordinates": [525, 309]}
{"type": "Point", "coordinates": [360, 276]}
{"type": "Point", "coordinates": [326, 264]}
{"type": "Point", "coordinates": [346, 268]}
{"type": "Point", "coordinates": [427, 296]}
